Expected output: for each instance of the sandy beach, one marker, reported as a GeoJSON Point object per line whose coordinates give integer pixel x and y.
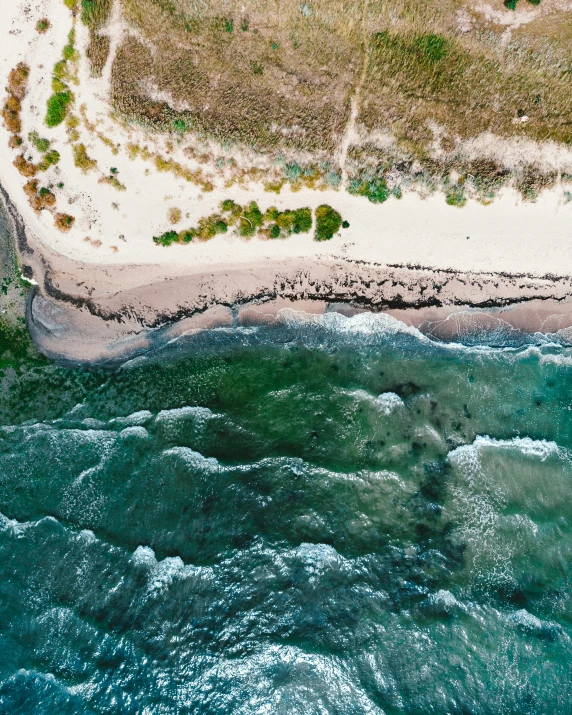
{"type": "Point", "coordinates": [104, 284]}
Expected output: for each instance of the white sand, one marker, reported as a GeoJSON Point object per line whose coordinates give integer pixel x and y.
{"type": "Point", "coordinates": [507, 236]}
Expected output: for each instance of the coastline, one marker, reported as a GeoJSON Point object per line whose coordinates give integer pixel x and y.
{"type": "Point", "coordinates": [104, 314]}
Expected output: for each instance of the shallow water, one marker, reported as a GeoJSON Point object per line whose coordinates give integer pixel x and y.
{"type": "Point", "coordinates": [330, 516]}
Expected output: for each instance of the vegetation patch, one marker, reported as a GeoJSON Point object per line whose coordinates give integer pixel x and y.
{"type": "Point", "coordinates": [61, 99]}
{"type": "Point", "coordinates": [455, 196]}
{"type": "Point", "coordinates": [57, 107]}
{"type": "Point", "coordinates": [42, 145]}
{"type": "Point", "coordinates": [328, 222]}
{"type": "Point", "coordinates": [50, 158]}
{"type": "Point", "coordinates": [94, 15]}
{"type": "Point", "coordinates": [64, 222]}
{"type": "Point", "coordinates": [26, 168]}
{"type": "Point", "coordinates": [16, 87]}
{"type": "Point", "coordinates": [39, 198]}
{"type": "Point", "coordinates": [81, 158]}
{"type": "Point", "coordinates": [246, 221]}
{"type": "Point", "coordinates": [43, 25]}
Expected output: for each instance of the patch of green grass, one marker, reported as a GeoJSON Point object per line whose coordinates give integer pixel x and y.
{"type": "Point", "coordinates": [81, 158]}
{"type": "Point", "coordinates": [43, 25]}
{"type": "Point", "coordinates": [57, 107]}
{"type": "Point", "coordinates": [374, 189]}
{"type": "Point", "coordinates": [433, 47]}
{"type": "Point", "coordinates": [328, 222]}
{"type": "Point", "coordinates": [166, 239]}
{"type": "Point", "coordinates": [51, 158]}
{"type": "Point", "coordinates": [42, 145]}
{"type": "Point", "coordinates": [455, 196]}
{"type": "Point", "coordinates": [229, 25]}
{"type": "Point", "coordinates": [246, 220]}
{"type": "Point", "coordinates": [257, 67]}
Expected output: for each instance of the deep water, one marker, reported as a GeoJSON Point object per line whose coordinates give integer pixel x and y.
{"type": "Point", "coordinates": [333, 516]}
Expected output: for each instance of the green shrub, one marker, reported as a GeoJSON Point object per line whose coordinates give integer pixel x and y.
{"type": "Point", "coordinates": [328, 222]}
{"type": "Point", "coordinates": [253, 215]}
{"type": "Point", "coordinates": [50, 158]}
{"type": "Point", "coordinates": [227, 205]}
{"type": "Point", "coordinates": [57, 107]}
{"type": "Point", "coordinates": [82, 160]}
{"type": "Point", "coordinates": [274, 231]}
{"type": "Point", "coordinates": [456, 196]}
{"type": "Point", "coordinates": [375, 190]}
{"type": "Point", "coordinates": [69, 53]}
{"type": "Point", "coordinates": [166, 239]}
{"type": "Point", "coordinates": [42, 145]}
{"type": "Point", "coordinates": [510, 4]}
{"type": "Point", "coordinates": [229, 25]}
{"type": "Point", "coordinates": [43, 25]}
{"type": "Point", "coordinates": [302, 220]}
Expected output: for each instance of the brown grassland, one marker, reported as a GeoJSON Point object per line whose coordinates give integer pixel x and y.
{"type": "Point", "coordinates": [281, 74]}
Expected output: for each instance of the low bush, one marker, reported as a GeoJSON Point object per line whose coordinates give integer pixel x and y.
{"type": "Point", "coordinates": [26, 168]}
{"type": "Point", "coordinates": [81, 158]}
{"type": "Point", "coordinates": [51, 158]}
{"type": "Point", "coordinates": [328, 222]}
{"type": "Point", "coordinates": [43, 25]}
{"type": "Point", "coordinates": [57, 107]}
{"type": "Point", "coordinates": [375, 189]}
{"type": "Point", "coordinates": [64, 222]}
{"type": "Point", "coordinates": [174, 215]}
{"type": "Point", "coordinates": [42, 145]}
{"type": "Point", "coordinates": [455, 196]}
{"type": "Point", "coordinates": [166, 239]}
{"type": "Point", "coordinates": [18, 80]}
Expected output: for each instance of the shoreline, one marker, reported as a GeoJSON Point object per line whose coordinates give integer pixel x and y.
{"type": "Point", "coordinates": [102, 314]}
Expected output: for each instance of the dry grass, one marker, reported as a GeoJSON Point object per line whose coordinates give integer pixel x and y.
{"type": "Point", "coordinates": [81, 158]}
{"type": "Point", "coordinates": [26, 168]}
{"type": "Point", "coordinates": [18, 81]}
{"type": "Point", "coordinates": [277, 79]}
{"type": "Point", "coordinates": [94, 14]}
{"type": "Point", "coordinates": [174, 214]}
{"type": "Point", "coordinates": [286, 80]}
{"type": "Point", "coordinates": [63, 222]}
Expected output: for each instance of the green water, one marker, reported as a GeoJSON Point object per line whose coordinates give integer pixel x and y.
{"type": "Point", "coordinates": [330, 517]}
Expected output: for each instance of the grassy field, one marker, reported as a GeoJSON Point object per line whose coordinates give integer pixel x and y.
{"type": "Point", "coordinates": [281, 75]}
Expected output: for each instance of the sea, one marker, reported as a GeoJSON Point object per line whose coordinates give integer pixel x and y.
{"type": "Point", "coordinates": [330, 515]}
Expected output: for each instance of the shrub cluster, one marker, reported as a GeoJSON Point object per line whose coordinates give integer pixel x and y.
{"type": "Point", "coordinates": [328, 222]}
{"type": "Point", "coordinates": [81, 158]}
{"type": "Point", "coordinates": [43, 25]}
{"type": "Point", "coordinates": [39, 198]}
{"type": "Point", "coordinates": [62, 96]}
{"type": "Point", "coordinates": [17, 87]}
{"type": "Point", "coordinates": [249, 221]}
{"type": "Point", "coordinates": [64, 222]}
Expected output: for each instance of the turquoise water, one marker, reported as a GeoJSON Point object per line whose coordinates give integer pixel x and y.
{"type": "Point", "coordinates": [334, 516]}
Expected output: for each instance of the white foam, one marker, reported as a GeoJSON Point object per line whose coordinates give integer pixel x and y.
{"type": "Point", "coordinates": [201, 413]}
{"type": "Point", "coordinates": [389, 402]}
{"type": "Point", "coordinates": [134, 432]}
{"type": "Point", "coordinates": [134, 419]}
{"type": "Point", "coordinates": [192, 459]}
{"type": "Point", "coordinates": [538, 448]}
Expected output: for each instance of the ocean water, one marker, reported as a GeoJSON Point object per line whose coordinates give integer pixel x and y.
{"type": "Point", "coordinates": [331, 516]}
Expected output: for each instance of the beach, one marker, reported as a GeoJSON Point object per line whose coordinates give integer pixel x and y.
{"type": "Point", "coordinates": [103, 285]}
